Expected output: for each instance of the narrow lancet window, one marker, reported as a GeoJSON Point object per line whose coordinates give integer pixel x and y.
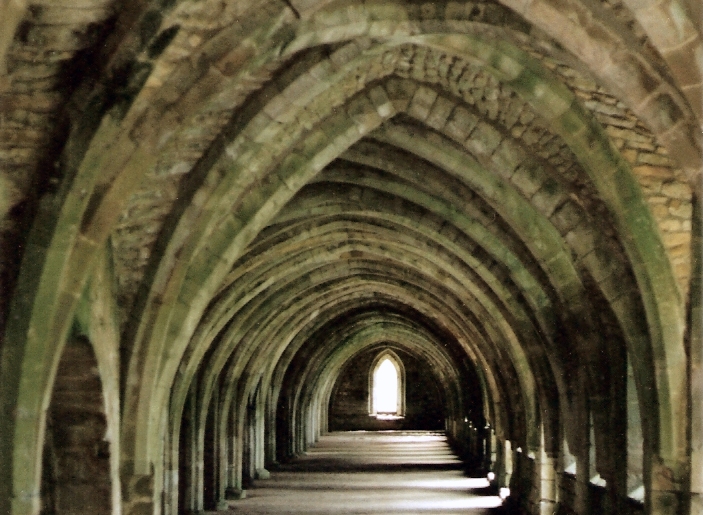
{"type": "Point", "coordinates": [387, 387]}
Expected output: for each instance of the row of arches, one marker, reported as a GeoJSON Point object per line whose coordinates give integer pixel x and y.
{"type": "Point", "coordinates": [268, 192]}
{"type": "Point", "coordinates": [77, 450]}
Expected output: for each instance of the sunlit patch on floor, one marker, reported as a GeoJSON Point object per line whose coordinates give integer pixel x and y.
{"type": "Point", "coordinates": [465, 483]}
{"type": "Point", "coordinates": [373, 474]}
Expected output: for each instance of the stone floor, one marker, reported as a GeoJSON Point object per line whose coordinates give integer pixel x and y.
{"type": "Point", "coordinates": [361, 472]}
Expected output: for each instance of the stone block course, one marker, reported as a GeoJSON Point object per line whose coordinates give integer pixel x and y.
{"type": "Point", "coordinates": [528, 179]}
{"type": "Point", "coordinates": [460, 123]}
{"type": "Point", "coordinates": [439, 113]}
{"type": "Point", "coordinates": [422, 103]}
{"type": "Point", "coordinates": [484, 139]}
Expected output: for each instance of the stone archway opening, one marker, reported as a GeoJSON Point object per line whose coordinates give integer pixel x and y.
{"type": "Point", "coordinates": [387, 387]}
{"type": "Point", "coordinates": [76, 458]}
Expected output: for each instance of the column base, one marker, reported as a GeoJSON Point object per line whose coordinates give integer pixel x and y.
{"type": "Point", "coordinates": [235, 494]}
{"type": "Point", "coordinates": [547, 507]}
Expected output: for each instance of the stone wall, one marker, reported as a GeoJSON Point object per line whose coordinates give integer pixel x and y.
{"type": "Point", "coordinates": [349, 406]}
{"type": "Point", "coordinates": [76, 476]}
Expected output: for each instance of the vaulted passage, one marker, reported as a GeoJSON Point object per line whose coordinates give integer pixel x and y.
{"type": "Point", "coordinates": [404, 472]}
{"type": "Point", "coordinates": [229, 228]}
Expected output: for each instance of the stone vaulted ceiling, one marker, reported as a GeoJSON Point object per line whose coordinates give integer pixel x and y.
{"type": "Point", "coordinates": [508, 183]}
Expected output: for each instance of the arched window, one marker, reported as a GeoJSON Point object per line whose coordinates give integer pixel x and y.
{"type": "Point", "coordinates": [387, 386]}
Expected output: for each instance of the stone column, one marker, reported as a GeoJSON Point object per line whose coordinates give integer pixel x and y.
{"type": "Point", "coordinates": [259, 436]}
{"type": "Point", "coordinates": [169, 473]}
{"type": "Point", "coordinates": [582, 501]}
{"type": "Point", "coordinates": [220, 454]}
{"type": "Point", "coordinates": [188, 451]}
{"type": "Point", "coordinates": [138, 494]}
{"type": "Point", "coordinates": [669, 488]}
{"type": "Point", "coordinates": [499, 464]}
{"type": "Point", "coordinates": [233, 490]}
{"type": "Point", "coordinates": [234, 486]}
{"type": "Point", "coordinates": [249, 466]}
{"type": "Point", "coordinates": [695, 338]}
{"type": "Point", "coordinates": [508, 467]}
{"type": "Point", "coordinates": [548, 484]}
{"type": "Point", "coordinates": [270, 429]}
{"type": "Point", "coordinates": [494, 449]}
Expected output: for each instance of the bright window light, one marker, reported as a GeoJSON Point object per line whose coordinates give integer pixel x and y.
{"type": "Point", "coordinates": [637, 494]}
{"type": "Point", "coordinates": [385, 388]}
